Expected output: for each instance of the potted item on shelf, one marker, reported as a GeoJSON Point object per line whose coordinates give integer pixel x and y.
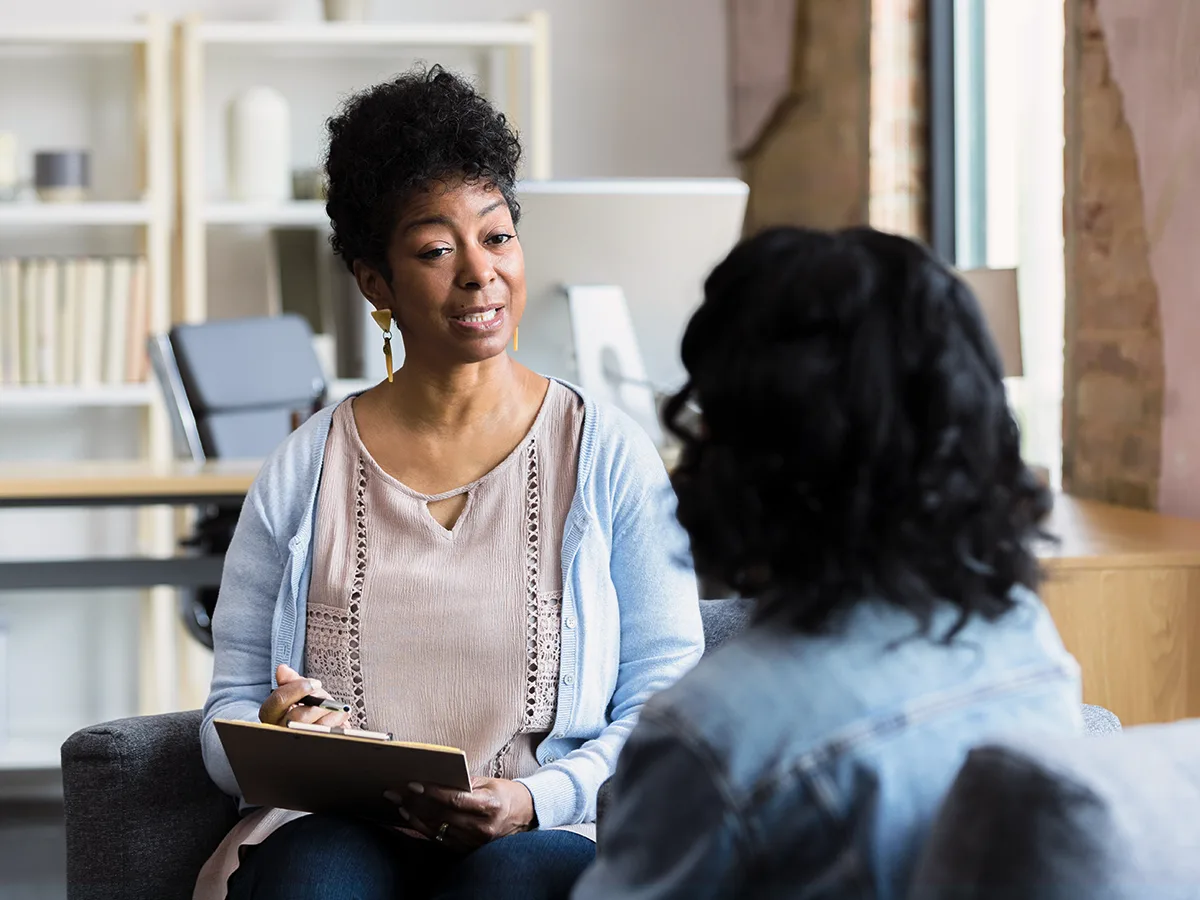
{"type": "Point", "coordinates": [345, 10]}
{"type": "Point", "coordinates": [62, 176]}
{"type": "Point", "coordinates": [308, 184]}
{"type": "Point", "coordinates": [8, 166]}
{"type": "Point", "coordinates": [259, 148]}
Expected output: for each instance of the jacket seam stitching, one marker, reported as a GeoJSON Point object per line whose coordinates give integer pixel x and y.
{"type": "Point", "coordinates": [855, 735]}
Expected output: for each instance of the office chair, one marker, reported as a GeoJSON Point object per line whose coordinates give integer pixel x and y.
{"type": "Point", "coordinates": [234, 389]}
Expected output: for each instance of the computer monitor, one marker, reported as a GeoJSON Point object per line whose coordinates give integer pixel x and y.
{"type": "Point", "coordinates": [654, 239]}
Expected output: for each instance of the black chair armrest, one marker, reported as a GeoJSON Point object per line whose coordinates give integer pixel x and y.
{"type": "Point", "coordinates": [142, 815]}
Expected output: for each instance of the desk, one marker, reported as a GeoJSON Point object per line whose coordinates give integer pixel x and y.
{"type": "Point", "coordinates": [95, 484]}
{"type": "Point", "coordinates": [1123, 587]}
{"type": "Point", "coordinates": [124, 483]}
{"type": "Point", "coordinates": [91, 484]}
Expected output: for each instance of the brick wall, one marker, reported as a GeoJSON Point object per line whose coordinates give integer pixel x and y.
{"type": "Point", "coordinates": [846, 146]}
{"type": "Point", "coordinates": [810, 166]}
{"type": "Point", "coordinates": [846, 143]}
{"type": "Point", "coordinates": [1113, 376]}
{"type": "Point", "coordinates": [898, 156]}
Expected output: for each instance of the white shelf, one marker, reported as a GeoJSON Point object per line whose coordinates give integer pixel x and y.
{"type": "Point", "coordinates": [72, 397]}
{"type": "Point", "coordinates": [350, 35]}
{"type": "Point", "coordinates": [297, 212]}
{"type": "Point", "coordinates": [33, 214]}
{"type": "Point", "coordinates": [646, 187]}
{"type": "Point", "coordinates": [341, 388]}
{"type": "Point", "coordinates": [28, 755]}
{"type": "Point", "coordinates": [73, 34]}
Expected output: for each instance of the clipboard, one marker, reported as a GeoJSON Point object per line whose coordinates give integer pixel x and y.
{"type": "Point", "coordinates": [333, 773]}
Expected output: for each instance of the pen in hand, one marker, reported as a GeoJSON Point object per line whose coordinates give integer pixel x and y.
{"type": "Point", "coordinates": [298, 698]}
{"type": "Point", "coordinates": [324, 703]}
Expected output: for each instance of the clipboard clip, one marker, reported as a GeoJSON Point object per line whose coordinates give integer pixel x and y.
{"type": "Point", "coordinates": [347, 732]}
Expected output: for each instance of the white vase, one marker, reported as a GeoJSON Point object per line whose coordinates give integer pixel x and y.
{"type": "Point", "coordinates": [259, 151]}
{"type": "Point", "coordinates": [345, 10]}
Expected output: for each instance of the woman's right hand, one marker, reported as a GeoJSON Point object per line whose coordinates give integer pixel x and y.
{"type": "Point", "coordinates": [280, 707]}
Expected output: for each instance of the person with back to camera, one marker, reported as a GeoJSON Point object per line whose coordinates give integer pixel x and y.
{"type": "Point", "coordinates": [857, 470]}
{"type": "Point", "coordinates": [468, 554]}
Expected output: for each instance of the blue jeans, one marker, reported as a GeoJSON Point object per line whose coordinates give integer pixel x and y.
{"type": "Point", "coordinates": [330, 858]}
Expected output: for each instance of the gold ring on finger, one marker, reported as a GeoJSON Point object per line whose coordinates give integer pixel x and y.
{"type": "Point", "coordinates": [441, 834]}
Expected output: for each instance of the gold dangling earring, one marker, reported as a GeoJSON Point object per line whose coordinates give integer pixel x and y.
{"type": "Point", "coordinates": [516, 338]}
{"type": "Point", "coordinates": [383, 318]}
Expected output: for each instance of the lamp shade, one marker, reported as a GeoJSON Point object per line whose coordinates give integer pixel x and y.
{"type": "Point", "coordinates": [996, 290]}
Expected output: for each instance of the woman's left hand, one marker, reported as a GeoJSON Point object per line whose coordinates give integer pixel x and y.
{"type": "Point", "coordinates": [494, 808]}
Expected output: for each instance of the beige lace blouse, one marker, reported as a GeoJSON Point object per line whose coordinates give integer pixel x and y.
{"type": "Point", "coordinates": [446, 636]}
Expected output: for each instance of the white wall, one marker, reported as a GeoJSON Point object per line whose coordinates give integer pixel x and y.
{"type": "Point", "coordinates": [640, 86]}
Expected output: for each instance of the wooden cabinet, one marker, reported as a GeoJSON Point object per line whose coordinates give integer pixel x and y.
{"type": "Point", "coordinates": [1123, 587]}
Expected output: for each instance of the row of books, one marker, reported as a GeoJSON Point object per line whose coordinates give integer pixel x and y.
{"type": "Point", "coordinates": [76, 321]}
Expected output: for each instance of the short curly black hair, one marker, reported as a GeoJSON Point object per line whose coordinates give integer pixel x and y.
{"type": "Point", "coordinates": [395, 139]}
{"type": "Point", "coordinates": [854, 439]}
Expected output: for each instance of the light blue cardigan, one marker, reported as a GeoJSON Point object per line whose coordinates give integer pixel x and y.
{"type": "Point", "coordinates": [630, 618]}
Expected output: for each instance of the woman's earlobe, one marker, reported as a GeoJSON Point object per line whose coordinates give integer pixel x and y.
{"type": "Point", "coordinates": [368, 280]}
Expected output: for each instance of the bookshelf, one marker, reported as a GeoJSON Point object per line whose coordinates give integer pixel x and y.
{"type": "Point", "coordinates": [139, 218]}
{"type": "Point", "coordinates": [37, 396]}
{"type": "Point", "coordinates": [60, 37]}
{"type": "Point", "coordinates": [37, 215]}
{"type": "Point", "coordinates": [511, 47]}
{"type": "Point", "coordinates": [343, 36]}
{"type": "Point", "coordinates": [148, 212]}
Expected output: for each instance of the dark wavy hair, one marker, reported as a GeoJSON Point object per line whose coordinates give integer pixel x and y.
{"type": "Point", "coordinates": [853, 440]}
{"type": "Point", "coordinates": [398, 138]}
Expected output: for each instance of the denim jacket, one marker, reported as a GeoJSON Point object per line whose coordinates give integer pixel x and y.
{"type": "Point", "coordinates": [799, 766]}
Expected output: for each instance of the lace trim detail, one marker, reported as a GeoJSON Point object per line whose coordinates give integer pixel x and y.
{"type": "Point", "coordinates": [354, 642]}
{"type": "Point", "coordinates": [533, 509]}
{"type": "Point", "coordinates": [549, 650]}
{"type": "Point", "coordinates": [543, 615]}
{"type": "Point", "coordinates": [497, 767]}
{"type": "Point", "coordinates": [326, 645]}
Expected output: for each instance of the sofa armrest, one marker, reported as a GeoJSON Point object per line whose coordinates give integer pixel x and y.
{"type": "Point", "coordinates": [142, 815]}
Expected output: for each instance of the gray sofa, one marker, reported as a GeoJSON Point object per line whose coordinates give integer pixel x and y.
{"type": "Point", "coordinates": [142, 815]}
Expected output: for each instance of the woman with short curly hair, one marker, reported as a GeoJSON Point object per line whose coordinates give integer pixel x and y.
{"type": "Point", "coordinates": [467, 554]}
{"type": "Point", "coordinates": [850, 461]}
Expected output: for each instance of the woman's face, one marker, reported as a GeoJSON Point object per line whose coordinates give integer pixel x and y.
{"type": "Point", "coordinates": [458, 275]}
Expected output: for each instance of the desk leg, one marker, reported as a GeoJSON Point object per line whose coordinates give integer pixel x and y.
{"type": "Point", "coordinates": [195, 670]}
{"type": "Point", "coordinates": [158, 678]}
{"type": "Point", "coordinates": [194, 662]}
{"type": "Point", "coordinates": [157, 671]}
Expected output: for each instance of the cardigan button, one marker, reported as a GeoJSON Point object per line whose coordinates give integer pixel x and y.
{"type": "Point", "coordinates": [568, 679]}
{"type": "Point", "coordinates": [558, 735]}
{"type": "Point", "coordinates": [570, 623]}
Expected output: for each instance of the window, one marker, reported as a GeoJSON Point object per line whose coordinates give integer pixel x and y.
{"type": "Point", "coordinates": [996, 110]}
